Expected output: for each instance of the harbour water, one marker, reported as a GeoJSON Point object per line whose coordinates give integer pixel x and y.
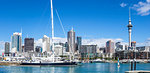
{"type": "Point", "coordinates": [84, 68]}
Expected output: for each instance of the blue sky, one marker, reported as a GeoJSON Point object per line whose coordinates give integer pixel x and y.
{"type": "Point", "coordinates": [91, 19]}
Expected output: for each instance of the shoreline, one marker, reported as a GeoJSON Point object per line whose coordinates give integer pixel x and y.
{"type": "Point", "coordinates": [11, 63]}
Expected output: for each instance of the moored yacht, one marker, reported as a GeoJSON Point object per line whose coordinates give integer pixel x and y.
{"type": "Point", "coordinates": [52, 60]}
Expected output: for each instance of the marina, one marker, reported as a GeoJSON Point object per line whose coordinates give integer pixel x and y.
{"type": "Point", "coordinates": [49, 49]}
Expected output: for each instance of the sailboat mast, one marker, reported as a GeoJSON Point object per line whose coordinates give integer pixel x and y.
{"type": "Point", "coordinates": [52, 29]}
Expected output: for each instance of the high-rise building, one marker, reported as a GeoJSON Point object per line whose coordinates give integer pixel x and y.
{"type": "Point", "coordinates": [23, 49]}
{"type": "Point", "coordinates": [46, 44]}
{"type": "Point", "coordinates": [133, 45]}
{"type": "Point", "coordinates": [79, 43]}
{"type": "Point", "coordinates": [143, 48]}
{"type": "Point", "coordinates": [16, 42]}
{"type": "Point", "coordinates": [7, 47]}
{"type": "Point", "coordinates": [29, 44]}
{"type": "Point", "coordinates": [119, 46]}
{"type": "Point", "coordinates": [126, 47]}
{"type": "Point", "coordinates": [58, 50]}
{"type": "Point", "coordinates": [110, 47]}
{"type": "Point", "coordinates": [71, 41]}
{"type": "Point", "coordinates": [88, 51]}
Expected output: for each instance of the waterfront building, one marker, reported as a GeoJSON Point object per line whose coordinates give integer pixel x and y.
{"type": "Point", "coordinates": [110, 48]}
{"type": "Point", "coordinates": [79, 43]}
{"type": "Point", "coordinates": [67, 47]}
{"type": "Point", "coordinates": [119, 46]}
{"type": "Point", "coordinates": [71, 41]}
{"type": "Point", "coordinates": [126, 47]}
{"type": "Point", "coordinates": [7, 48]}
{"type": "Point", "coordinates": [127, 54]}
{"type": "Point", "coordinates": [16, 42]}
{"type": "Point", "coordinates": [29, 44]}
{"type": "Point", "coordinates": [46, 44]}
{"type": "Point", "coordinates": [88, 51]}
{"type": "Point", "coordinates": [23, 49]}
{"type": "Point", "coordinates": [143, 48]}
{"type": "Point", "coordinates": [101, 51]}
{"type": "Point", "coordinates": [133, 45]}
{"type": "Point", "coordinates": [38, 49]}
{"type": "Point", "coordinates": [59, 50]}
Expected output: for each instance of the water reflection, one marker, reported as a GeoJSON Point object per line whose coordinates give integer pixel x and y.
{"type": "Point", "coordinates": [85, 68]}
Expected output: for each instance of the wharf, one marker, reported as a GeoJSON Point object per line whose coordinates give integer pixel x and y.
{"type": "Point", "coordinates": [137, 71]}
{"type": "Point", "coordinates": [9, 63]}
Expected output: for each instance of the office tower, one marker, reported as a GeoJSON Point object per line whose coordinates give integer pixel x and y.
{"type": "Point", "coordinates": [67, 47]}
{"type": "Point", "coordinates": [23, 49]}
{"type": "Point", "coordinates": [7, 47]}
{"type": "Point", "coordinates": [129, 29]}
{"type": "Point", "coordinates": [119, 46]}
{"type": "Point", "coordinates": [88, 51]}
{"type": "Point", "coordinates": [79, 43]}
{"type": "Point", "coordinates": [58, 50]}
{"type": "Point", "coordinates": [71, 40]}
{"type": "Point", "coordinates": [126, 47]}
{"type": "Point", "coordinates": [16, 42]}
{"type": "Point", "coordinates": [29, 44]}
{"type": "Point", "coordinates": [46, 44]}
{"type": "Point", "coordinates": [110, 47]}
{"type": "Point", "coordinates": [133, 45]}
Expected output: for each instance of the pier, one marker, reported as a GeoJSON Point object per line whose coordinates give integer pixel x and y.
{"type": "Point", "coordinates": [137, 72]}
{"type": "Point", "coordinates": [9, 63]}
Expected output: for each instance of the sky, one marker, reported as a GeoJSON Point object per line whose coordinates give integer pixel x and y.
{"type": "Point", "coordinates": [91, 19]}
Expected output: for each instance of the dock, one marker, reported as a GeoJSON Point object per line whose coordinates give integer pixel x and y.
{"type": "Point", "coordinates": [140, 71]}
{"type": "Point", "coordinates": [9, 63]}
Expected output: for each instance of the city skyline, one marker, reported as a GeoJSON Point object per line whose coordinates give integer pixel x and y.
{"type": "Point", "coordinates": [76, 16]}
{"type": "Point", "coordinates": [99, 36]}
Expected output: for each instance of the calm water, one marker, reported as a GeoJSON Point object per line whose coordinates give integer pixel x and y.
{"type": "Point", "coordinates": [85, 68]}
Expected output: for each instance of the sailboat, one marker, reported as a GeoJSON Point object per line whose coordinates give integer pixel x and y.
{"type": "Point", "coordinates": [54, 61]}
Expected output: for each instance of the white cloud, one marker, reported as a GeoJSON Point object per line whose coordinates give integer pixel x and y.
{"type": "Point", "coordinates": [56, 40]}
{"type": "Point", "coordinates": [148, 1]}
{"type": "Point", "coordinates": [143, 8]}
{"type": "Point", "coordinates": [38, 42]}
{"type": "Point", "coordinates": [100, 42]}
{"type": "Point", "coordinates": [59, 39]}
{"type": "Point", "coordinates": [123, 5]}
{"type": "Point", "coordinates": [148, 39]}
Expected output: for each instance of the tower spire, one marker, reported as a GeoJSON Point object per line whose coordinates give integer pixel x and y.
{"type": "Point", "coordinates": [129, 15]}
{"type": "Point", "coordinates": [129, 28]}
{"type": "Point", "coordinates": [72, 29]}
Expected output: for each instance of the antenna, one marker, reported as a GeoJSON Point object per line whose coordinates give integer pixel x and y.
{"type": "Point", "coordinates": [129, 14]}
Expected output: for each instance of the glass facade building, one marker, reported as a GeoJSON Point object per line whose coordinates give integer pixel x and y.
{"type": "Point", "coordinates": [16, 41]}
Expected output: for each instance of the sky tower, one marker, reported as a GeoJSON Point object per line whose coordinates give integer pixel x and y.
{"type": "Point", "coordinates": [129, 29]}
